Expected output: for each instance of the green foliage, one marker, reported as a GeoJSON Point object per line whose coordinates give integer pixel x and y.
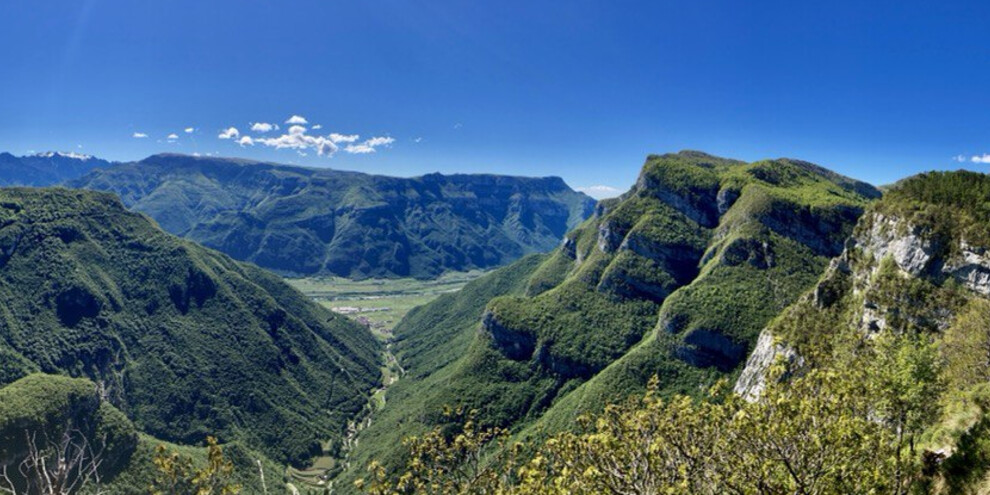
{"type": "Point", "coordinates": [184, 340]}
{"type": "Point", "coordinates": [949, 205]}
{"type": "Point", "coordinates": [176, 473]}
{"type": "Point", "coordinates": [320, 221]}
{"type": "Point", "coordinates": [703, 251]}
{"type": "Point", "coordinates": [56, 431]}
{"type": "Point", "coordinates": [809, 437]}
{"type": "Point", "coordinates": [430, 342]}
{"type": "Point", "coordinates": [46, 405]}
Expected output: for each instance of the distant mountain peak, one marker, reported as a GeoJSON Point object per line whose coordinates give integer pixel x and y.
{"type": "Point", "coordinates": [64, 154]}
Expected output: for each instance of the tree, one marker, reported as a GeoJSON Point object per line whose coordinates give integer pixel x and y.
{"type": "Point", "coordinates": [178, 475]}
{"type": "Point", "coordinates": [55, 466]}
{"type": "Point", "coordinates": [808, 437]}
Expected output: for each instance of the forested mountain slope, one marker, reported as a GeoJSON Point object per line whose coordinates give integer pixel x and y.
{"type": "Point", "coordinates": [183, 340]}
{"type": "Point", "coordinates": [305, 221]}
{"type": "Point", "coordinates": [675, 278]}
{"type": "Point", "coordinates": [909, 296]}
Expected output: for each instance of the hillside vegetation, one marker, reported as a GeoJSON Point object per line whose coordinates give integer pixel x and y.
{"type": "Point", "coordinates": [674, 279]}
{"type": "Point", "coordinates": [876, 380]}
{"type": "Point", "coordinates": [306, 221]}
{"type": "Point", "coordinates": [89, 446]}
{"type": "Point", "coordinates": [909, 297]}
{"type": "Point", "coordinates": [183, 340]}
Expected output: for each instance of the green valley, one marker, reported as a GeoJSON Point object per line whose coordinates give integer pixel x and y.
{"type": "Point", "coordinates": [182, 340]}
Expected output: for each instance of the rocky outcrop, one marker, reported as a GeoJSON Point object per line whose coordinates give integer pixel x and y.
{"type": "Point", "coordinates": [699, 207]}
{"type": "Point", "coordinates": [706, 348]}
{"type": "Point", "coordinates": [905, 244]}
{"type": "Point", "coordinates": [753, 379]}
{"type": "Point", "coordinates": [725, 199]}
{"type": "Point", "coordinates": [609, 237]}
{"type": "Point", "coordinates": [819, 229]}
{"type": "Point", "coordinates": [971, 268]}
{"type": "Point", "coordinates": [513, 344]}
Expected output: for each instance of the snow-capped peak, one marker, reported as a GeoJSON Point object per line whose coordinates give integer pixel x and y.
{"type": "Point", "coordinates": [75, 156]}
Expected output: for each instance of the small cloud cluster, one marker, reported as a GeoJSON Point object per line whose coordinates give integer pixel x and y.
{"type": "Point", "coordinates": [368, 145]}
{"type": "Point", "coordinates": [299, 138]}
{"type": "Point", "coordinates": [229, 133]}
{"type": "Point", "coordinates": [172, 137]}
{"type": "Point", "coordinates": [984, 158]}
{"type": "Point", "coordinates": [263, 127]}
{"type": "Point", "coordinates": [599, 191]}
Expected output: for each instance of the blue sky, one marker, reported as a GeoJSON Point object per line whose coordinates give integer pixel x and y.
{"type": "Point", "coordinates": [580, 89]}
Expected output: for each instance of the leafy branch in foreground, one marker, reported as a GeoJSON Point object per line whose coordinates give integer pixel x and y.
{"type": "Point", "coordinates": [177, 474]}
{"type": "Point", "coordinates": [806, 438]}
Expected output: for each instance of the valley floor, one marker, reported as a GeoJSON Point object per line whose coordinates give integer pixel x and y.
{"type": "Point", "coordinates": [379, 304]}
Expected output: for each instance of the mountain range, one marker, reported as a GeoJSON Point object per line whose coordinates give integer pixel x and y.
{"type": "Point", "coordinates": [46, 169]}
{"type": "Point", "coordinates": [708, 271]}
{"type": "Point", "coordinates": [306, 221]}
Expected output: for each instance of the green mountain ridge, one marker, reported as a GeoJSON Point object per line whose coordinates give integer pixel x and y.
{"type": "Point", "coordinates": [183, 340]}
{"type": "Point", "coordinates": [914, 278]}
{"type": "Point", "coordinates": [305, 221]}
{"type": "Point", "coordinates": [676, 278]}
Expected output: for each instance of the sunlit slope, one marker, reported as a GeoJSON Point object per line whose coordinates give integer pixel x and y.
{"type": "Point", "coordinates": [674, 278]}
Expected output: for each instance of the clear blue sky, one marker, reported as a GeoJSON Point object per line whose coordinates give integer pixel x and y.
{"type": "Point", "coordinates": [580, 89]}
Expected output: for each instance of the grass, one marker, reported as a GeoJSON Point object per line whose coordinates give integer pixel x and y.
{"type": "Point", "coordinates": [379, 303]}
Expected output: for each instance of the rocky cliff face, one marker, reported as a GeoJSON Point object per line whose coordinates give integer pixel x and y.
{"type": "Point", "coordinates": [902, 269]}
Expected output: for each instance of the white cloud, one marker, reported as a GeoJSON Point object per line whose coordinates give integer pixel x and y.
{"type": "Point", "coordinates": [599, 191]}
{"type": "Point", "coordinates": [139, 135]}
{"type": "Point", "coordinates": [297, 139]}
{"type": "Point", "coordinates": [369, 145]}
{"type": "Point", "coordinates": [984, 158]}
{"type": "Point", "coordinates": [229, 133]}
{"type": "Point", "coordinates": [189, 130]}
{"type": "Point", "coordinates": [959, 158]}
{"type": "Point", "coordinates": [418, 140]}
{"type": "Point", "coordinates": [343, 138]}
{"type": "Point", "coordinates": [172, 137]}
{"type": "Point", "coordinates": [263, 127]}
